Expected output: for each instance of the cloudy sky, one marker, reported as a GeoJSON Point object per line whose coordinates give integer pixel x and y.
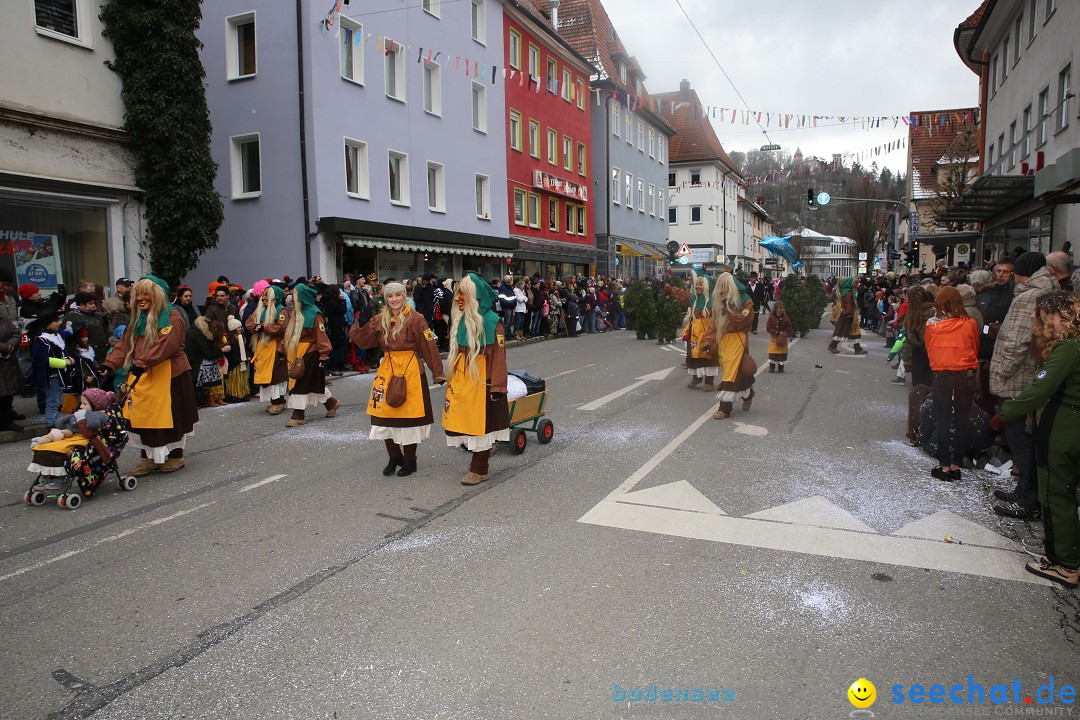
{"type": "Point", "coordinates": [805, 57]}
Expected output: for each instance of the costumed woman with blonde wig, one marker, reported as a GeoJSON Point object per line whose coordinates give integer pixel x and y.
{"type": "Point", "coordinates": [267, 327]}
{"type": "Point", "coordinates": [699, 330]}
{"type": "Point", "coordinates": [402, 422]}
{"type": "Point", "coordinates": [733, 316]}
{"type": "Point", "coordinates": [160, 409]}
{"type": "Point", "coordinates": [306, 341]}
{"type": "Point", "coordinates": [475, 413]}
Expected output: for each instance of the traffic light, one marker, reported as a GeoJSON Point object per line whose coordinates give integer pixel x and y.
{"type": "Point", "coordinates": [671, 257]}
{"type": "Point", "coordinates": [911, 254]}
{"type": "Point", "coordinates": [810, 198]}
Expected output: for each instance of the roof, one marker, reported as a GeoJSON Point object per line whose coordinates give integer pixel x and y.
{"type": "Point", "coordinates": [539, 11]}
{"type": "Point", "coordinates": [966, 32]}
{"type": "Point", "coordinates": [694, 139]}
{"type": "Point", "coordinates": [929, 146]}
{"type": "Point", "coordinates": [990, 196]}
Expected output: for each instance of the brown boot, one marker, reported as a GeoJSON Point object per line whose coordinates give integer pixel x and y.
{"type": "Point", "coordinates": [473, 479]}
{"type": "Point", "coordinates": [296, 420]}
{"type": "Point", "coordinates": [172, 465]}
{"type": "Point", "coordinates": [723, 412]}
{"type": "Point", "coordinates": [275, 408]}
{"type": "Point", "coordinates": [332, 406]}
{"type": "Point", "coordinates": [749, 400]}
{"type": "Point", "coordinates": [694, 382]}
{"type": "Point", "coordinates": [709, 385]}
{"type": "Point", "coordinates": [145, 467]}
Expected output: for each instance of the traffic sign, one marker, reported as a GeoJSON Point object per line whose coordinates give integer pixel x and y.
{"type": "Point", "coordinates": [685, 251]}
{"type": "Point", "coordinates": [823, 198]}
{"type": "Point", "coordinates": [684, 260]}
{"type": "Point", "coordinates": [862, 256]}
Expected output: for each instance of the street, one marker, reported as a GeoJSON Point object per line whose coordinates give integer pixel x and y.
{"type": "Point", "coordinates": [777, 556]}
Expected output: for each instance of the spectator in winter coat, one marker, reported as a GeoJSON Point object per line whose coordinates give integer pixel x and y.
{"type": "Point", "coordinates": [11, 377]}
{"type": "Point", "coordinates": [51, 364]}
{"type": "Point", "coordinates": [507, 303]}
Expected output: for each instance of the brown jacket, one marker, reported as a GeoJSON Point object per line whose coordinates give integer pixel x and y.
{"type": "Point", "coordinates": [416, 336]}
{"type": "Point", "coordinates": [777, 325]}
{"type": "Point", "coordinates": [169, 346]}
{"type": "Point", "coordinates": [316, 335]}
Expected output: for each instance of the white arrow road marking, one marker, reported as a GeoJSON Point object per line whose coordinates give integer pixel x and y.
{"type": "Point", "coordinates": [567, 372]}
{"type": "Point", "coordinates": [252, 486]}
{"type": "Point", "coordinates": [102, 541]}
{"type": "Point", "coordinates": [658, 375]}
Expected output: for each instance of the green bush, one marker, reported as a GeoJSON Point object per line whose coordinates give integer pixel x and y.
{"type": "Point", "coordinates": [804, 300]}
{"type": "Point", "coordinates": [640, 309]}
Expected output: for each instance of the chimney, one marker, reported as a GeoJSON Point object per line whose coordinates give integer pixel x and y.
{"type": "Point", "coordinates": [555, 14]}
{"type": "Point", "coordinates": [684, 89]}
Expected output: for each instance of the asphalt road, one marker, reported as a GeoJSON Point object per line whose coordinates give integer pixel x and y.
{"type": "Point", "coordinates": [774, 558]}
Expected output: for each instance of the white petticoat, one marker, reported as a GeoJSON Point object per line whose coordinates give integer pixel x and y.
{"type": "Point", "coordinates": [273, 392]}
{"type": "Point", "coordinates": [47, 470]}
{"type": "Point", "coordinates": [157, 454]}
{"type": "Point", "coordinates": [401, 435]}
{"type": "Point", "coordinates": [478, 443]}
{"type": "Point", "coordinates": [708, 371]}
{"type": "Point", "coordinates": [303, 402]}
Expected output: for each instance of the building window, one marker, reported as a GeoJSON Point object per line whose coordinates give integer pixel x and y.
{"type": "Point", "coordinates": [673, 215]}
{"type": "Point", "coordinates": [569, 218]}
{"type": "Point", "coordinates": [479, 22]}
{"type": "Point", "coordinates": [695, 214]}
{"type": "Point", "coordinates": [1044, 115]}
{"type": "Point", "coordinates": [515, 130]}
{"type": "Point", "coordinates": [515, 49]}
{"type": "Point", "coordinates": [659, 203]}
{"type": "Point", "coordinates": [1018, 27]}
{"type": "Point", "coordinates": [1064, 96]}
{"type": "Point", "coordinates": [695, 178]}
{"type": "Point", "coordinates": [628, 196]}
{"type": "Point", "coordinates": [581, 223]}
{"type": "Point", "coordinates": [394, 67]}
{"type": "Point", "coordinates": [567, 152]}
{"type": "Point", "coordinates": [641, 136]}
{"type": "Point", "coordinates": [641, 195]}
{"type": "Point", "coordinates": [671, 179]}
{"type": "Point", "coordinates": [399, 178]}
{"type": "Point", "coordinates": [61, 17]}
{"type": "Point", "coordinates": [240, 46]}
{"type": "Point", "coordinates": [1051, 6]}
{"type": "Point", "coordinates": [652, 143]}
{"type": "Point", "coordinates": [622, 73]}
{"type": "Point", "coordinates": [432, 7]}
{"type": "Point", "coordinates": [479, 107]}
{"type": "Point", "coordinates": [1004, 59]}
{"type": "Point", "coordinates": [552, 147]}
{"type": "Point", "coordinates": [994, 73]}
{"type": "Point", "coordinates": [1001, 148]}
{"type": "Point", "coordinates": [652, 199]}
{"type": "Point", "coordinates": [433, 88]}
{"type": "Point", "coordinates": [616, 191]}
{"type": "Point", "coordinates": [246, 164]}
{"type": "Point", "coordinates": [628, 126]}
{"type": "Point", "coordinates": [580, 95]}
{"type": "Point", "coordinates": [436, 187]}
{"type": "Point", "coordinates": [1025, 144]}
{"type": "Point", "coordinates": [552, 75]}
{"type": "Point", "coordinates": [565, 89]}
{"type": "Point", "coordinates": [356, 169]}
{"type": "Point", "coordinates": [519, 206]}
{"type": "Point", "coordinates": [1012, 145]}
{"type": "Point", "coordinates": [351, 51]}
{"type": "Point", "coordinates": [534, 139]}
{"type": "Point", "coordinates": [660, 149]}
{"type": "Point", "coordinates": [483, 196]}
{"type": "Point", "coordinates": [534, 210]}
{"type": "Point", "coordinates": [534, 62]}
{"type": "Point", "coordinates": [581, 158]}
{"type": "Point", "coordinates": [553, 214]}
{"type": "Point", "coordinates": [1033, 22]}
{"type": "Point", "coordinates": [990, 154]}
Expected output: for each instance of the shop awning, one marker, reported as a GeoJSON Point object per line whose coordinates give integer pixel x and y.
{"type": "Point", "coordinates": [989, 196]}
{"type": "Point", "coordinates": [949, 239]}
{"type": "Point", "coordinates": [1060, 180]}
{"type": "Point", "coordinates": [412, 246]}
{"type": "Point", "coordinates": [631, 249]}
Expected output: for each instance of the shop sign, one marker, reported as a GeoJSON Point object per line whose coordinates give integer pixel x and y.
{"type": "Point", "coordinates": [36, 259]}
{"type": "Point", "coordinates": [558, 185]}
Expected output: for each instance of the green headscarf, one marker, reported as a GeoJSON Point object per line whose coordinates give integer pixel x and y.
{"type": "Point", "coordinates": [485, 301]}
{"type": "Point", "coordinates": [307, 295]}
{"type": "Point", "coordinates": [163, 317]}
{"type": "Point", "coordinates": [845, 286]}
{"type": "Point", "coordinates": [702, 302]}
{"type": "Point", "coordinates": [744, 294]}
{"type": "Point", "coordinates": [279, 297]}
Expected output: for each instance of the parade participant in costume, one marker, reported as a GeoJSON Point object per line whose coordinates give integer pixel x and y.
{"type": "Point", "coordinates": [732, 316]}
{"type": "Point", "coordinates": [306, 341]}
{"type": "Point", "coordinates": [780, 331]}
{"type": "Point", "coordinates": [407, 344]}
{"type": "Point", "coordinates": [846, 314]}
{"type": "Point", "coordinates": [1055, 389]}
{"type": "Point", "coordinates": [237, 381]}
{"type": "Point", "coordinates": [699, 330]}
{"type": "Point", "coordinates": [475, 413]}
{"type": "Point", "coordinates": [160, 409]}
{"type": "Point", "coordinates": [267, 328]}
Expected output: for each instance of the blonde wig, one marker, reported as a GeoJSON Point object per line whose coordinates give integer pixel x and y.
{"type": "Point", "coordinates": [725, 302]}
{"type": "Point", "coordinates": [697, 282]}
{"type": "Point", "coordinates": [158, 304]}
{"type": "Point", "coordinates": [390, 328]}
{"type": "Point", "coordinates": [268, 312]}
{"type": "Point", "coordinates": [474, 327]}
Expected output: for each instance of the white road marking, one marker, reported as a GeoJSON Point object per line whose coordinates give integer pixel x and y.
{"type": "Point", "coordinates": [102, 541]}
{"type": "Point", "coordinates": [816, 511]}
{"type": "Point", "coordinates": [601, 402]}
{"type": "Point", "coordinates": [755, 430]}
{"type": "Point", "coordinates": [567, 372]}
{"type": "Point", "coordinates": [679, 495]}
{"type": "Point", "coordinates": [252, 486]}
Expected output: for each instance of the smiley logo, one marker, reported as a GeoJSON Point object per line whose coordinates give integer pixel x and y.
{"type": "Point", "coordinates": [862, 693]}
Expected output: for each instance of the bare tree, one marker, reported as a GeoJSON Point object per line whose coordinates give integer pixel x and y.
{"type": "Point", "coordinates": [954, 173]}
{"type": "Point", "coordinates": [862, 218]}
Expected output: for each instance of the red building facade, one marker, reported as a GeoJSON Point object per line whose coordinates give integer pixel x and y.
{"type": "Point", "coordinates": [548, 145]}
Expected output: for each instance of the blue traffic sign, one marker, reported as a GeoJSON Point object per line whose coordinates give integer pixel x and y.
{"type": "Point", "coordinates": [823, 198]}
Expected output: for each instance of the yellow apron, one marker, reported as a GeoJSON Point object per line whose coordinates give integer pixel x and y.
{"type": "Point", "coordinates": [149, 404]}
{"type": "Point", "coordinates": [63, 446]}
{"type": "Point", "coordinates": [265, 356]}
{"type": "Point", "coordinates": [778, 345]}
{"type": "Point", "coordinates": [465, 409]}
{"type": "Point", "coordinates": [301, 351]}
{"type": "Point", "coordinates": [398, 362]}
{"type": "Point", "coordinates": [698, 326]}
{"type": "Point", "coordinates": [731, 349]}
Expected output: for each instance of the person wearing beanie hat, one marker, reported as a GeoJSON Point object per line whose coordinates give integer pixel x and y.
{"type": "Point", "coordinates": [1012, 369]}
{"type": "Point", "coordinates": [267, 327]}
{"type": "Point", "coordinates": [27, 291]}
{"type": "Point", "coordinates": [160, 409]}
{"type": "Point", "coordinates": [307, 348]}
{"type": "Point", "coordinates": [407, 344]}
{"type": "Point", "coordinates": [237, 380]}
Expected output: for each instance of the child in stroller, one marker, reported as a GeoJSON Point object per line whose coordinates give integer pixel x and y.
{"type": "Point", "coordinates": [82, 449]}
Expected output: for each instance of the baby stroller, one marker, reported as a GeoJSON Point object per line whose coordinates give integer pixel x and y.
{"type": "Point", "coordinates": [83, 460]}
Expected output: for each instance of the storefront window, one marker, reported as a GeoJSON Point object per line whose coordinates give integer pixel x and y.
{"type": "Point", "coordinates": [46, 244]}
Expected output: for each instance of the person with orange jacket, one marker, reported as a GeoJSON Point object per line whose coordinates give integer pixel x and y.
{"type": "Point", "coordinates": [952, 344]}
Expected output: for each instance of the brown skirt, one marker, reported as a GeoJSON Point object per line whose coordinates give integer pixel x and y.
{"type": "Point", "coordinates": [313, 382]}
{"type": "Point", "coordinates": [185, 414]}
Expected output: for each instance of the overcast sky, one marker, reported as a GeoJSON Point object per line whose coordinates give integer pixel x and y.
{"type": "Point", "coordinates": [805, 57]}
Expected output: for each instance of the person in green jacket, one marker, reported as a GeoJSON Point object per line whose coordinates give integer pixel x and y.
{"type": "Point", "coordinates": [1055, 389]}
